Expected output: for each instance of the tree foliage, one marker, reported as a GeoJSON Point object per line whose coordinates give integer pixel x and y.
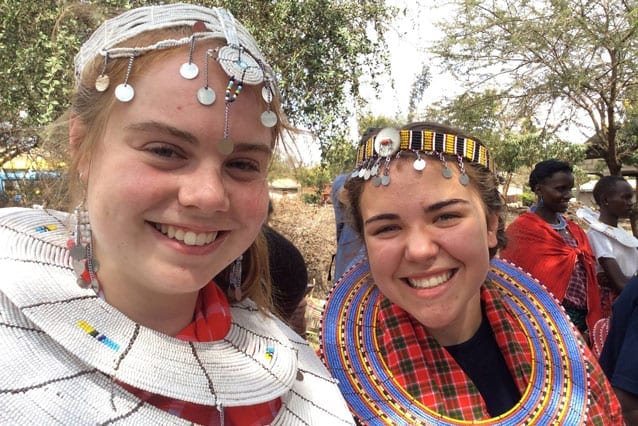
{"type": "Point", "coordinates": [567, 58]}
{"type": "Point", "coordinates": [514, 142]}
{"type": "Point", "coordinates": [318, 49]}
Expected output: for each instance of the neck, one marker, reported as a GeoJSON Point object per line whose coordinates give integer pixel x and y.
{"type": "Point", "coordinates": [608, 218]}
{"type": "Point", "coordinates": [548, 216]}
{"type": "Point", "coordinates": [166, 313]}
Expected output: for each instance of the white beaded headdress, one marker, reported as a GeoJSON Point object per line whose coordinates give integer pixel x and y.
{"type": "Point", "coordinates": [240, 58]}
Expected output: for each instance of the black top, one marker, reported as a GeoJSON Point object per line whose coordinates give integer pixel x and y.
{"type": "Point", "coordinates": [288, 272]}
{"type": "Point", "coordinates": [482, 360]}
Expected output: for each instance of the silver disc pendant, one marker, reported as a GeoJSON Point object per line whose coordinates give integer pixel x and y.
{"type": "Point", "coordinates": [189, 70]}
{"type": "Point", "coordinates": [362, 173]}
{"type": "Point", "coordinates": [102, 82]}
{"type": "Point", "coordinates": [419, 164]}
{"type": "Point", "coordinates": [206, 96]}
{"type": "Point", "coordinates": [385, 180]}
{"type": "Point", "coordinates": [124, 92]}
{"type": "Point", "coordinates": [266, 94]}
{"type": "Point", "coordinates": [376, 181]}
{"type": "Point", "coordinates": [268, 119]}
{"type": "Point", "coordinates": [78, 252]}
{"type": "Point", "coordinates": [464, 179]}
{"type": "Point", "coordinates": [225, 147]}
{"type": "Point", "coordinates": [447, 173]}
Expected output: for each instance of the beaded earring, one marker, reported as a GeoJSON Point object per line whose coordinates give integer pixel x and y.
{"type": "Point", "coordinates": [235, 279]}
{"type": "Point", "coordinates": [80, 248]}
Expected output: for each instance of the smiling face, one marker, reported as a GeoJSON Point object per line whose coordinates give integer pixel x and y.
{"type": "Point", "coordinates": [168, 210]}
{"type": "Point", "coordinates": [556, 191]}
{"type": "Point", "coordinates": [427, 239]}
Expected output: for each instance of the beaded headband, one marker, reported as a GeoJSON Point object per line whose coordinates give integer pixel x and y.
{"type": "Point", "coordinates": [389, 143]}
{"type": "Point", "coordinates": [241, 58]}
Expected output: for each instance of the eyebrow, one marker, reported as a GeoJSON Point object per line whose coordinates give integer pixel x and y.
{"type": "Point", "coordinates": [154, 126]}
{"type": "Point", "coordinates": [429, 209]}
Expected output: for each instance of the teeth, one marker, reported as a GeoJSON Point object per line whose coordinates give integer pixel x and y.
{"type": "Point", "coordinates": [189, 238]}
{"type": "Point", "coordinates": [430, 282]}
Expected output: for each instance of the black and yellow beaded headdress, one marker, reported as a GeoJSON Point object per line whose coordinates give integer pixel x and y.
{"type": "Point", "coordinates": [421, 139]}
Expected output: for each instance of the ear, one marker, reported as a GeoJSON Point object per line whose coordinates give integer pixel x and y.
{"type": "Point", "coordinates": [77, 134]}
{"type": "Point", "coordinates": [492, 230]}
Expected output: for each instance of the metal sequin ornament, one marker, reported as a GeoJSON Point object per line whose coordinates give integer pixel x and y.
{"type": "Point", "coordinates": [124, 92]}
{"type": "Point", "coordinates": [225, 147]}
{"type": "Point", "coordinates": [447, 172]}
{"type": "Point", "coordinates": [102, 83]}
{"type": "Point", "coordinates": [268, 118]}
{"type": "Point", "coordinates": [419, 164]}
{"type": "Point", "coordinates": [189, 70]}
{"type": "Point", "coordinates": [464, 179]}
{"type": "Point", "coordinates": [206, 96]}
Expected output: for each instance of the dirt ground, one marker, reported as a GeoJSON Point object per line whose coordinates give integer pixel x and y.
{"type": "Point", "coordinates": [312, 229]}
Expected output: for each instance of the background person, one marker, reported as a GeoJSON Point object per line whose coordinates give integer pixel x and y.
{"type": "Point", "coordinates": [553, 248]}
{"type": "Point", "coordinates": [618, 357]}
{"type": "Point", "coordinates": [110, 315]}
{"type": "Point", "coordinates": [426, 329]}
{"type": "Point", "coordinates": [614, 248]}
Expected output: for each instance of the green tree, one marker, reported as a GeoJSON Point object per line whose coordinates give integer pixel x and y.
{"type": "Point", "coordinates": [318, 49]}
{"type": "Point", "coordinates": [514, 142]}
{"type": "Point", "coordinates": [571, 58]}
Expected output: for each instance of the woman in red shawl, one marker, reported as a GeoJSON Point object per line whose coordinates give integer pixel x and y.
{"type": "Point", "coordinates": [554, 249]}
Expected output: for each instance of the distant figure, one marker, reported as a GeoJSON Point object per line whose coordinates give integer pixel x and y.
{"type": "Point", "coordinates": [289, 276]}
{"type": "Point", "coordinates": [349, 244]}
{"type": "Point", "coordinates": [614, 248]}
{"type": "Point", "coordinates": [553, 248]}
{"type": "Point", "coordinates": [618, 358]}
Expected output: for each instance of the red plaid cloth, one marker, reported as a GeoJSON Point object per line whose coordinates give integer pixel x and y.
{"type": "Point", "coordinates": [211, 322]}
{"type": "Point", "coordinates": [429, 373]}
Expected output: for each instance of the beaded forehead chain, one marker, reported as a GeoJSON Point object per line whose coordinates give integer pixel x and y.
{"type": "Point", "coordinates": [377, 151]}
{"type": "Point", "coordinates": [241, 58]}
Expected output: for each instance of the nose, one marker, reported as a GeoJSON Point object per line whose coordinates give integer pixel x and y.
{"type": "Point", "coordinates": [421, 246]}
{"type": "Point", "coordinates": [205, 189]}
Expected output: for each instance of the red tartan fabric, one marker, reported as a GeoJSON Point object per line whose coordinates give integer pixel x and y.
{"type": "Point", "coordinates": [536, 247]}
{"type": "Point", "coordinates": [413, 356]}
{"type": "Point", "coordinates": [211, 321]}
{"type": "Point", "coordinates": [428, 373]}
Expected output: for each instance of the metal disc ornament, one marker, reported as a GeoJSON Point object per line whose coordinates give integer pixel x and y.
{"type": "Point", "coordinates": [78, 252]}
{"type": "Point", "coordinates": [376, 181]}
{"type": "Point", "coordinates": [419, 164]}
{"type": "Point", "coordinates": [225, 147]}
{"type": "Point", "coordinates": [387, 142]}
{"type": "Point", "coordinates": [385, 180]}
{"type": "Point", "coordinates": [240, 64]}
{"type": "Point", "coordinates": [206, 96]}
{"type": "Point", "coordinates": [124, 92]}
{"type": "Point", "coordinates": [189, 70]}
{"type": "Point", "coordinates": [464, 179]}
{"type": "Point", "coordinates": [447, 173]}
{"type": "Point", "coordinates": [102, 82]}
{"type": "Point", "coordinates": [268, 119]}
{"type": "Point", "coordinates": [266, 94]}
{"type": "Point", "coordinates": [366, 175]}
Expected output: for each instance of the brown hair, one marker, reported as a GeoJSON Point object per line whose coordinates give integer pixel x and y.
{"type": "Point", "coordinates": [92, 109]}
{"type": "Point", "coordinates": [482, 179]}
